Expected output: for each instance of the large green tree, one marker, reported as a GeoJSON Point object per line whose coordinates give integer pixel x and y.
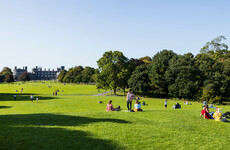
{"type": "Point", "coordinates": [87, 74]}
{"type": "Point", "coordinates": [207, 67]}
{"type": "Point", "coordinates": [61, 75]}
{"type": "Point", "coordinates": [182, 76]}
{"type": "Point", "coordinates": [6, 75]}
{"type": "Point", "coordinates": [74, 75]}
{"type": "Point", "coordinates": [139, 80]}
{"type": "Point", "coordinates": [158, 67]}
{"type": "Point", "coordinates": [113, 68]}
{"type": "Point", "coordinates": [214, 78]}
{"type": "Point", "coordinates": [216, 49]}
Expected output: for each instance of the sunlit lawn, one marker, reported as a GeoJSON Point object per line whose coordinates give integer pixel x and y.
{"type": "Point", "coordinates": [71, 121]}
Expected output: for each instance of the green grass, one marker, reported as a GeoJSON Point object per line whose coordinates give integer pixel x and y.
{"type": "Point", "coordinates": [48, 88]}
{"type": "Point", "coordinates": [73, 121]}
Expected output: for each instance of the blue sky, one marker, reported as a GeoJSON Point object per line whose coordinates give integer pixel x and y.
{"type": "Point", "coordinates": [51, 33]}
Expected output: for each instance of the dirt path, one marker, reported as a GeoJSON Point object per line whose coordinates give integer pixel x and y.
{"type": "Point", "coordinates": [102, 94]}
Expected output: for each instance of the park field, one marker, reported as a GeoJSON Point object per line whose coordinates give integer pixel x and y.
{"type": "Point", "coordinates": [75, 120]}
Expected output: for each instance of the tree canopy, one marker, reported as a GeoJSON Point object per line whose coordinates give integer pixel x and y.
{"type": "Point", "coordinates": [113, 67]}
{"type": "Point", "coordinates": [216, 49]}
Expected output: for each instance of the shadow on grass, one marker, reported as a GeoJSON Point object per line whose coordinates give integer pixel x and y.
{"type": "Point", "coordinates": [24, 97]}
{"type": "Point", "coordinates": [33, 132]}
{"type": "Point", "coordinates": [2, 107]}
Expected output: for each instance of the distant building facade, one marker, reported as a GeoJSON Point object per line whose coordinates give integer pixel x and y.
{"type": "Point", "coordinates": [18, 71]}
{"type": "Point", "coordinates": [38, 74]}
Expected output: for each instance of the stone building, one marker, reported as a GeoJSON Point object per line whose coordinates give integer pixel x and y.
{"type": "Point", "coordinates": [38, 74]}
{"type": "Point", "coordinates": [18, 71]}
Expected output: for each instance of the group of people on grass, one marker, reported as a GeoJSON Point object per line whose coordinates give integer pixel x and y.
{"type": "Point", "coordinates": [130, 97]}
{"type": "Point", "coordinates": [217, 115]}
{"type": "Point", "coordinates": [31, 97]}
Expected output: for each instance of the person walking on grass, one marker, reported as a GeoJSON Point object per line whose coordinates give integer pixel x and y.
{"type": "Point", "coordinates": [129, 98]}
{"type": "Point", "coordinates": [31, 98]}
{"type": "Point", "coordinates": [166, 103]}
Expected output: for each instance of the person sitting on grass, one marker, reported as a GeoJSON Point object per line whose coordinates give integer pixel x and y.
{"type": "Point", "coordinates": [109, 106]}
{"type": "Point", "coordinates": [205, 114]}
{"type": "Point", "coordinates": [137, 106]}
{"type": "Point", "coordinates": [219, 117]}
{"type": "Point", "coordinates": [206, 108]}
{"type": "Point", "coordinates": [176, 106]}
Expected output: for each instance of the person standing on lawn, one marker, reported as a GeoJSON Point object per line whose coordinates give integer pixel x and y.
{"type": "Point", "coordinates": [129, 98]}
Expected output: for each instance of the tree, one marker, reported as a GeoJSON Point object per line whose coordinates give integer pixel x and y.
{"type": "Point", "coordinates": [69, 78]}
{"type": "Point", "coordinates": [9, 78]}
{"type": "Point", "coordinates": [111, 65]}
{"type": "Point", "coordinates": [216, 49]}
{"type": "Point", "coordinates": [6, 75]}
{"type": "Point", "coordinates": [73, 75]}
{"type": "Point", "coordinates": [158, 67]}
{"type": "Point", "coordinates": [207, 67]}
{"type": "Point", "coordinates": [212, 90]}
{"type": "Point", "coordinates": [61, 75]}
{"type": "Point", "coordinates": [24, 77]}
{"type": "Point", "coordinates": [6, 70]}
{"type": "Point", "coordinates": [87, 74]}
{"type": "Point", "coordinates": [146, 59]}
{"type": "Point", "coordinates": [226, 69]}
{"type": "Point", "coordinates": [77, 74]}
{"type": "Point", "coordinates": [182, 76]}
{"type": "Point", "coordinates": [214, 77]}
{"type": "Point", "coordinates": [1, 78]}
{"type": "Point", "coordinates": [139, 80]}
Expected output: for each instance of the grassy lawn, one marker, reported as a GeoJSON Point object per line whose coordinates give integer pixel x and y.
{"type": "Point", "coordinates": [47, 88]}
{"type": "Point", "coordinates": [73, 121]}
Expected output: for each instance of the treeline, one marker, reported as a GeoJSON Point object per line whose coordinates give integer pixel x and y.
{"type": "Point", "coordinates": [78, 74]}
{"type": "Point", "coordinates": [6, 75]}
{"type": "Point", "coordinates": [205, 76]}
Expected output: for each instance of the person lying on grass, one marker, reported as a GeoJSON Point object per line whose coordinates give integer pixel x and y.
{"type": "Point", "coordinates": [205, 113]}
{"type": "Point", "coordinates": [219, 117]}
{"type": "Point", "coordinates": [109, 107]}
{"type": "Point", "coordinates": [137, 106]}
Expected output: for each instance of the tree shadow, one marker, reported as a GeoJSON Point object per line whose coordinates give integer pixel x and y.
{"type": "Point", "coordinates": [2, 107]}
{"type": "Point", "coordinates": [50, 131]}
{"type": "Point", "coordinates": [24, 97]}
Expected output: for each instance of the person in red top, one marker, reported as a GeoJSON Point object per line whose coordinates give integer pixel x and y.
{"type": "Point", "coordinates": [205, 114]}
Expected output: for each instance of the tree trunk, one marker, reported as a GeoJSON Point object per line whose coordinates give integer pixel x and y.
{"type": "Point", "coordinates": [114, 90]}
